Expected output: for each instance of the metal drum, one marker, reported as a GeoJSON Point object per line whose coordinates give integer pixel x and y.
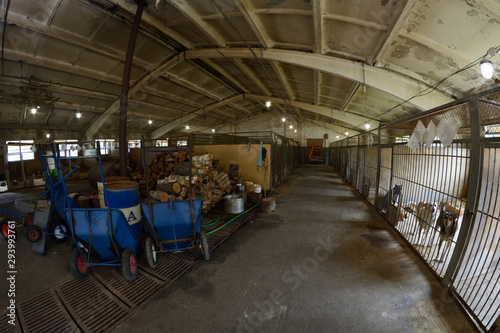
{"type": "Point", "coordinates": [124, 195]}
{"type": "Point", "coordinates": [234, 204]}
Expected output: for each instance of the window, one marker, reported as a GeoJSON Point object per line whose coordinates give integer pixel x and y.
{"type": "Point", "coordinates": [162, 143]}
{"type": "Point", "coordinates": [20, 150]}
{"type": "Point", "coordinates": [65, 147]}
{"type": "Point", "coordinates": [134, 144]}
{"type": "Point", "coordinates": [182, 143]}
{"type": "Point", "coordinates": [106, 145]}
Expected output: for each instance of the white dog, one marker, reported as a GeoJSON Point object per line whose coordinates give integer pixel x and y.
{"type": "Point", "coordinates": [426, 216]}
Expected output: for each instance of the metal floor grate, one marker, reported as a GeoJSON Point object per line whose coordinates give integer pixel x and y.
{"type": "Point", "coordinates": [103, 300]}
{"type": "Point", "coordinates": [93, 308]}
{"type": "Point", "coordinates": [45, 313]}
{"type": "Point", "coordinates": [131, 293]}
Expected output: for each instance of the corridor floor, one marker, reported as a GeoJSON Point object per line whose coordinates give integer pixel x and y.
{"type": "Point", "coordinates": [324, 261]}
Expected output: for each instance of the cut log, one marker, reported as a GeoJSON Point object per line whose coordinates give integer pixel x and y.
{"type": "Point", "coordinates": [182, 168]}
{"type": "Point", "coordinates": [169, 186]}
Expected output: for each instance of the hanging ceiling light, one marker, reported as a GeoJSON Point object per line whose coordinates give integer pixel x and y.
{"type": "Point", "coordinates": [283, 119]}
{"type": "Point", "coordinates": [486, 69]}
{"type": "Point", "coordinates": [33, 110]}
{"type": "Point", "coordinates": [337, 136]}
{"type": "Point", "coordinates": [295, 131]}
{"type": "Point", "coordinates": [48, 135]}
{"type": "Point", "coordinates": [187, 127]}
{"type": "Point", "coordinates": [78, 115]}
{"type": "Point", "coordinates": [213, 130]}
{"type": "Point", "coordinates": [367, 126]}
{"type": "Point", "coordinates": [346, 133]}
{"type": "Point", "coordinates": [268, 104]}
{"type": "Point", "coordinates": [150, 121]}
{"type": "Point", "coordinates": [291, 126]}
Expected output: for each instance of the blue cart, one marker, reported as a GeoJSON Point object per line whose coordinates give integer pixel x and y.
{"type": "Point", "coordinates": [17, 210]}
{"type": "Point", "coordinates": [103, 236]}
{"type": "Point", "coordinates": [174, 226]}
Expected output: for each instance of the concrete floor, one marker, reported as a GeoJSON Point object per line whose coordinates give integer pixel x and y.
{"type": "Point", "coordinates": [324, 261]}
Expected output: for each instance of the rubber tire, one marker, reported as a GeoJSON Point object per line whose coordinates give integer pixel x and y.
{"type": "Point", "coordinates": [129, 265]}
{"type": "Point", "coordinates": [4, 227]}
{"type": "Point", "coordinates": [33, 233]}
{"type": "Point", "coordinates": [76, 265]}
{"type": "Point", "coordinates": [205, 249]}
{"type": "Point", "coordinates": [54, 229]}
{"type": "Point", "coordinates": [151, 253]}
{"type": "Point", "coordinates": [28, 219]}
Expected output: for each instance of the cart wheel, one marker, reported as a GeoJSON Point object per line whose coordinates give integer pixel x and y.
{"type": "Point", "coordinates": [33, 233]}
{"type": "Point", "coordinates": [58, 232]}
{"type": "Point", "coordinates": [78, 266]}
{"type": "Point", "coordinates": [4, 225]}
{"type": "Point", "coordinates": [205, 249]}
{"type": "Point", "coordinates": [28, 219]}
{"type": "Point", "coordinates": [129, 265]}
{"type": "Point", "coordinates": [151, 252]}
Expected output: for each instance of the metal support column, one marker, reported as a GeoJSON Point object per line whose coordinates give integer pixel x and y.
{"type": "Point", "coordinates": [476, 167]}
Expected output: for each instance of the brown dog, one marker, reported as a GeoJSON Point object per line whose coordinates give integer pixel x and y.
{"type": "Point", "coordinates": [447, 223]}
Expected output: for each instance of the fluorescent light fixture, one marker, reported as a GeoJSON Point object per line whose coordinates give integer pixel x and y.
{"type": "Point", "coordinates": [33, 110]}
{"type": "Point", "coordinates": [283, 119]}
{"type": "Point", "coordinates": [486, 69]}
{"type": "Point", "coordinates": [367, 126]}
{"type": "Point", "coordinates": [213, 130]}
{"type": "Point", "coordinates": [78, 115]}
{"type": "Point", "coordinates": [150, 121]}
{"type": "Point", "coordinates": [268, 104]}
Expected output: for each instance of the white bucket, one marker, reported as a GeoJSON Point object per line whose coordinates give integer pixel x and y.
{"type": "Point", "coordinates": [257, 188]}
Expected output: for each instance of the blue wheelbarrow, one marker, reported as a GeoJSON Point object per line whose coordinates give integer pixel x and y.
{"type": "Point", "coordinates": [174, 226]}
{"type": "Point", "coordinates": [103, 238]}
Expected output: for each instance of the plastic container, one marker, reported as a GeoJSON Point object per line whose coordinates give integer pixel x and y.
{"type": "Point", "coordinates": [234, 204]}
{"type": "Point", "coordinates": [257, 188]}
{"type": "Point", "coordinates": [124, 195]}
{"type": "Point", "coordinates": [100, 192]}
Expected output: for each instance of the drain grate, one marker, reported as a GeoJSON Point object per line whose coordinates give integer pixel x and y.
{"type": "Point", "coordinates": [93, 308]}
{"type": "Point", "coordinates": [216, 239]}
{"type": "Point", "coordinates": [131, 293]}
{"type": "Point", "coordinates": [230, 228]}
{"type": "Point", "coordinates": [192, 254]}
{"type": "Point", "coordinates": [5, 326]}
{"type": "Point", "coordinates": [169, 266]}
{"type": "Point", "coordinates": [45, 313]}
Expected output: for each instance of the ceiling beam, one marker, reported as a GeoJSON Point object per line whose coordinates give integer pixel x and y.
{"type": "Point", "coordinates": [278, 70]}
{"type": "Point", "coordinates": [368, 24]}
{"type": "Point", "coordinates": [245, 69]}
{"type": "Point", "coordinates": [351, 94]}
{"type": "Point", "coordinates": [157, 23]}
{"type": "Point", "coordinates": [319, 37]}
{"type": "Point", "coordinates": [178, 122]}
{"type": "Point", "coordinates": [226, 74]}
{"type": "Point", "coordinates": [255, 23]}
{"type": "Point", "coordinates": [97, 123]}
{"type": "Point", "coordinates": [392, 83]}
{"type": "Point", "coordinates": [188, 10]}
{"type": "Point", "coordinates": [354, 120]}
{"type": "Point", "coordinates": [393, 31]}
{"type": "Point", "coordinates": [339, 129]}
{"type": "Point", "coordinates": [317, 83]}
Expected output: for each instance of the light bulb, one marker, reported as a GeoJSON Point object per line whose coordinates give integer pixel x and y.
{"type": "Point", "coordinates": [48, 135]}
{"type": "Point", "coordinates": [33, 110]}
{"type": "Point", "coordinates": [268, 104]}
{"type": "Point", "coordinates": [291, 126]}
{"type": "Point", "coordinates": [346, 133]}
{"type": "Point", "coordinates": [337, 136]}
{"type": "Point", "coordinates": [150, 121]}
{"type": "Point", "coordinates": [187, 127]}
{"type": "Point", "coordinates": [213, 130]}
{"type": "Point", "coordinates": [367, 126]}
{"type": "Point", "coordinates": [78, 115]}
{"type": "Point", "coordinates": [295, 131]}
{"type": "Point", "coordinates": [486, 69]}
{"type": "Point", "coordinates": [283, 119]}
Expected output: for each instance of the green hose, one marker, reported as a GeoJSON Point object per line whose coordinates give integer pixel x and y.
{"type": "Point", "coordinates": [208, 225]}
{"type": "Point", "coordinates": [234, 218]}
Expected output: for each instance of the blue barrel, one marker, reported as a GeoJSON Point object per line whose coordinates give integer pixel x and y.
{"type": "Point", "coordinates": [124, 195]}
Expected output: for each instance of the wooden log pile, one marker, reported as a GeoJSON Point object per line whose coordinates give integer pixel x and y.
{"type": "Point", "coordinates": [168, 174]}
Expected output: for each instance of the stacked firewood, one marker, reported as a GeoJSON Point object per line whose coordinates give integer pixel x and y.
{"type": "Point", "coordinates": [169, 172]}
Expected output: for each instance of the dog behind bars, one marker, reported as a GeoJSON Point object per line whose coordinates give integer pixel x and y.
{"type": "Point", "coordinates": [426, 214]}
{"type": "Point", "coordinates": [447, 223]}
